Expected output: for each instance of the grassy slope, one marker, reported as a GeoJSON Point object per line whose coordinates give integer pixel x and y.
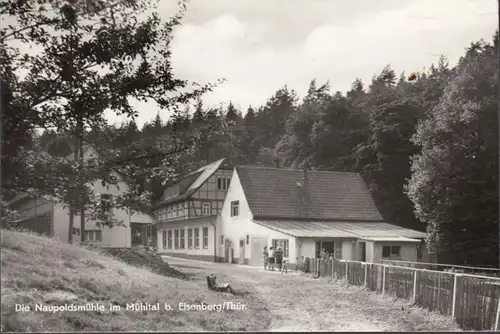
{"type": "Point", "coordinates": [32, 266]}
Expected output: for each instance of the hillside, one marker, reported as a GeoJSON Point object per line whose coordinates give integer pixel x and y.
{"type": "Point", "coordinates": [38, 270]}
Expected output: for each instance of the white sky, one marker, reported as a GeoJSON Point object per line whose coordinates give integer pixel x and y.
{"type": "Point", "coordinates": [261, 45]}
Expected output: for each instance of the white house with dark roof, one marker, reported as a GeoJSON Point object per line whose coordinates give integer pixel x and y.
{"type": "Point", "coordinates": [304, 212]}
{"type": "Point", "coordinates": [50, 218]}
{"type": "Point", "coordinates": [187, 215]}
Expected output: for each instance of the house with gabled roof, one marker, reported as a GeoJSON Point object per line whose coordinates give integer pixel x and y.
{"type": "Point", "coordinates": [48, 217]}
{"type": "Point", "coordinates": [186, 217]}
{"type": "Point", "coordinates": [305, 212]}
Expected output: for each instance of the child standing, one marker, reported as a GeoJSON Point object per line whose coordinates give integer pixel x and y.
{"type": "Point", "coordinates": [270, 258]}
{"type": "Point", "coordinates": [283, 265]}
{"type": "Point", "coordinates": [265, 254]}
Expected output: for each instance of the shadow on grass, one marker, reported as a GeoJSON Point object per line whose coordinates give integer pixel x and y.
{"type": "Point", "coordinates": [186, 266]}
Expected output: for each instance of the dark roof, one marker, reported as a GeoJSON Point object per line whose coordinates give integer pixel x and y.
{"type": "Point", "coordinates": [278, 194]}
{"type": "Point", "coordinates": [375, 231]}
{"type": "Point", "coordinates": [195, 180]}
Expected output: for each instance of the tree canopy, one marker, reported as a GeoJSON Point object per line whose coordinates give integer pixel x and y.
{"type": "Point", "coordinates": [426, 143]}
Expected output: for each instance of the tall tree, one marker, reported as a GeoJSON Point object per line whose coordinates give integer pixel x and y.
{"type": "Point", "coordinates": [454, 180]}
{"type": "Point", "coordinates": [385, 160]}
{"type": "Point", "coordinates": [295, 146]}
{"type": "Point", "coordinates": [93, 56]}
{"type": "Point", "coordinates": [248, 145]}
{"type": "Point", "coordinates": [338, 129]}
{"type": "Point", "coordinates": [272, 118]}
{"type": "Point", "coordinates": [233, 115]}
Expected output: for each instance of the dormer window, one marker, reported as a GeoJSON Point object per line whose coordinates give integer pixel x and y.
{"type": "Point", "coordinates": [223, 183]}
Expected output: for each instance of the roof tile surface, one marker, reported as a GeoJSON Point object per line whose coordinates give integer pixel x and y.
{"type": "Point", "coordinates": [278, 193]}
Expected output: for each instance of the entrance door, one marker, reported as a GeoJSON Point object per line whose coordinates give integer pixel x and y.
{"type": "Point", "coordinates": [328, 246]}
{"type": "Point", "coordinates": [362, 248]}
{"type": "Point", "coordinates": [242, 251]}
{"type": "Point", "coordinates": [227, 251]}
{"type": "Point", "coordinates": [257, 247]}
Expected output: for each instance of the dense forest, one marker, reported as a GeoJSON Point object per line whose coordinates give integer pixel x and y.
{"type": "Point", "coordinates": [427, 148]}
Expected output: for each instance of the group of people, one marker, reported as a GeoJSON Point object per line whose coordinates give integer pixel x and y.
{"type": "Point", "coordinates": [323, 254]}
{"type": "Point", "coordinates": [274, 256]}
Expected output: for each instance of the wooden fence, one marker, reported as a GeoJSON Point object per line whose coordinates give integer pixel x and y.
{"type": "Point", "coordinates": [481, 271]}
{"type": "Point", "coordinates": [473, 301]}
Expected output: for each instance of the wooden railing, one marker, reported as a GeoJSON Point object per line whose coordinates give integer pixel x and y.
{"type": "Point", "coordinates": [482, 271]}
{"type": "Point", "coordinates": [473, 301]}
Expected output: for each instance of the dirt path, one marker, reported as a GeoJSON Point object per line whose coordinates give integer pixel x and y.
{"type": "Point", "coordinates": [298, 302]}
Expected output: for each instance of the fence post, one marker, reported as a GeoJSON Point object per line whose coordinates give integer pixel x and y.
{"type": "Point", "coordinates": [415, 286]}
{"type": "Point", "coordinates": [366, 273]}
{"type": "Point", "coordinates": [346, 270]}
{"type": "Point", "coordinates": [383, 281]}
{"type": "Point", "coordinates": [454, 296]}
{"type": "Point", "coordinates": [498, 315]}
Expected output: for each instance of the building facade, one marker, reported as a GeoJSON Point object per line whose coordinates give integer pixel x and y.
{"type": "Point", "coordinates": [307, 212]}
{"type": "Point", "coordinates": [52, 219]}
{"type": "Point", "coordinates": [187, 216]}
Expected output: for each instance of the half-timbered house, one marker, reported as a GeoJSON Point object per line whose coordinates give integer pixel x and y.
{"type": "Point", "coordinates": [187, 215]}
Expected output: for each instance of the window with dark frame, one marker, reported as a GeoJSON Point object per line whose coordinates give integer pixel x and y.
{"type": "Point", "coordinates": [395, 250]}
{"type": "Point", "coordinates": [391, 251]}
{"type": "Point", "coordinates": [164, 239]}
{"type": "Point", "coordinates": [205, 237]}
{"type": "Point", "coordinates": [190, 238]}
{"type": "Point", "coordinates": [419, 251]}
{"type": "Point", "coordinates": [176, 239]}
{"type": "Point", "coordinates": [222, 240]}
{"type": "Point", "coordinates": [283, 243]}
{"type": "Point", "coordinates": [235, 208]}
{"type": "Point", "coordinates": [197, 238]}
{"type": "Point", "coordinates": [183, 241]}
{"type": "Point", "coordinates": [223, 183]}
{"type": "Point", "coordinates": [107, 203]}
{"type": "Point", "coordinates": [169, 239]}
{"type": "Point", "coordinates": [93, 235]}
{"type": "Point", "coordinates": [205, 209]}
{"type": "Point", "coordinates": [248, 239]}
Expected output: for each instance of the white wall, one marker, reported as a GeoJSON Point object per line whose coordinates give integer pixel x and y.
{"type": "Point", "coordinates": [408, 251]}
{"type": "Point", "coordinates": [117, 236]}
{"type": "Point", "coordinates": [61, 222]}
{"type": "Point", "coordinates": [348, 250]}
{"type": "Point", "coordinates": [369, 252]}
{"type": "Point", "coordinates": [235, 228]}
{"type": "Point", "coordinates": [257, 230]}
{"type": "Point", "coordinates": [307, 247]}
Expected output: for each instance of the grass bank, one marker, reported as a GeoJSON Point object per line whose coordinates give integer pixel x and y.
{"type": "Point", "coordinates": [39, 270]}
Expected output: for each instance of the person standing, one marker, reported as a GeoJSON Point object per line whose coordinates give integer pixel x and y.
{"type": "Point", "coordinates": [265, 253]}
{"type": "Point", "coordinates": [278, 255]}
{"type": "Point", "coordinates": [270, 258]}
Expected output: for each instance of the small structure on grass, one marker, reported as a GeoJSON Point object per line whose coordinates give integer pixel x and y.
{"type": "Point", "coordinates": [216, 286]}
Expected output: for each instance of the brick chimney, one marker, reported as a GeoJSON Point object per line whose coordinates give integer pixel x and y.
{"type": "Point", "coordinates": [304, 191]}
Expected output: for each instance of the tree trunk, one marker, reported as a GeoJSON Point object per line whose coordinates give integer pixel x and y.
{"type": "Point", "coordinates": [82, 203]}
{"type": "Point", "coordinates": [71, 210]}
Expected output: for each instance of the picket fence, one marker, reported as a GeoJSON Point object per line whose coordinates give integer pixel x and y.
{"type": "Point", "coordinates": [473, 301]}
